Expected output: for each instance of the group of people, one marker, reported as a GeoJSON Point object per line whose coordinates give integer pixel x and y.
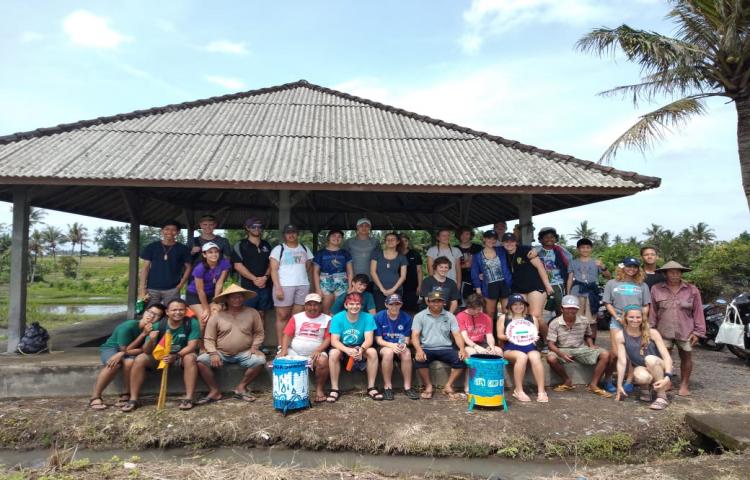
{"type": "Point", "coordinates": [355, 305]}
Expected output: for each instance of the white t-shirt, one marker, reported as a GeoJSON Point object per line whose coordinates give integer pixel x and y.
{"type": "Point", "coordinates": [292, 268]}
{"type": "Point", "coordinates": [309, 333]}
{"type": "Point", "coordinates": [453, 254]}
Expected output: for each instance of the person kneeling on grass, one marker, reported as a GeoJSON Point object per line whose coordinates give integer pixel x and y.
{"type": "Point", "coordinates": [393, 338]}
{"type": "Point", "coordinates": [307, 335]}
{"type": "Point", "coordinates": [476, 329]}
{"type": "Point", "coordinates": [643, 346]}
{"type": "Point", "coordinates": [233, 335]}
{"type": "Point", "coordinates": [570, 340]}
{"type": "Point", "coordinates": [186, 334]}
{"type": "Point", "coordinates": [119, 350]}
{"type": "Point", "coordinates": [352, 336]}
{"type": "Point", "coordinates": [431, 334]}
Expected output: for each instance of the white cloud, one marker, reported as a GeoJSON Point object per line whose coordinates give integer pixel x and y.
{"type": "Point", "coordinates": [29, 37]}
{"type": "Point", "coordinates": [226, 46]}
{"type": "Point", "coordinates": [226, 82]}
{"type": "Point", "coordinates": [89, 30]}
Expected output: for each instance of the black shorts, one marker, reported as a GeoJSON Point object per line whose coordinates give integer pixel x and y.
{"type": "Point", "coordinates": [447, 355]}
{"type": "Point", "coordinates": [497, 290]}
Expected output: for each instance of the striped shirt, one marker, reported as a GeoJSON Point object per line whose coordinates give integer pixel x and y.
{"type": "Point", "coordinates": [569, 337]}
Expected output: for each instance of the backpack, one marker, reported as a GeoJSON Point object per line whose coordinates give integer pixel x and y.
{"type": "Point", "coordinates": [34, 340]}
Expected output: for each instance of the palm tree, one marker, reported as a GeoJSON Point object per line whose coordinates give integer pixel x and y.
{"type": "Point", "coordinates": [77, 235]}
{"type": "Point", "coordinates": [36, 246]}
{"type": "Point", "coordinates": [617, 240]}
{"type": "Point", "coordinates": [584, 231]}
{"type": "Point", "coordinates": [708, 57]}
{"type": "Point", "coordinates": [653, 233]}
{"type": "Point", "coordinates": [702, 234]}
{"type": "Point", "coordinates": [604, 239]}
{"type": "Point", "coordinates": [52, 237]}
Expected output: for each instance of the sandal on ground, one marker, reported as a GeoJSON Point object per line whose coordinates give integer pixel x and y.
{"type": "Point", "coordinates": [333, 396]}
{"type": "Point", "coordinates": [454, 395]}
{"type": "Point", "coordinates": [521, 396]}
{"type": "Point", "coordinates": [598, 391]}
{"type": "Point", "coordinates": [388, 394]}
{"type": "Point", "coordinates": [124, 397]}
{"type": "Point", "coordinates": [427, 395]}
{"type": "Point", "coordinates": [206, 400]}
{"type": "Point", "coordinates": [659, 404]}
{"type": "Point", "coordinates": [411, 394]}
{"type": "Point", "coordinates": [373, 393]}
{"type": "Point", "coordinates": [542, 398]}
{"type": "Point", "coordinates": [563, 388]}
{"type": "Point", "coordinates": [130, 406]}
{"type": "Point", "coordinates": [244, 396]}
{"type": "Point", "coordinates": [186, 404]}
{"type": "Point", "coordinates": [99, 405]}
{"type": "Point", "coordinates": [645, 395]}
{"type": "Point", "coordinates": [319, 398]}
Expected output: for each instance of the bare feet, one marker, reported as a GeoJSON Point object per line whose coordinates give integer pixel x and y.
{"type": "Point", "coordinates": [684, 392]}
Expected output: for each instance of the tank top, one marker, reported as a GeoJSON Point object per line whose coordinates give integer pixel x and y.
{"type": "Point", "coordinates": [524, 275]}
{"type": "Point", "coordinates": [493, 270]}
{"type": "Point", "coordinates": [633, 349]}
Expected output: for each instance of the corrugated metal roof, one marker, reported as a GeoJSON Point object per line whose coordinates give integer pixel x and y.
{"type": "Point", "coordinates": [298, 134]}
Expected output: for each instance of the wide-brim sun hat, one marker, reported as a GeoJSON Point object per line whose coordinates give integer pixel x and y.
{"type": "Point", "coordinates": [231, 290]}
{"type": "Point", "coordinates": [672, 265]}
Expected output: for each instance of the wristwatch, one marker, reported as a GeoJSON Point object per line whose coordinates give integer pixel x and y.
{"type": "Point", "coordinates": [669, 374]}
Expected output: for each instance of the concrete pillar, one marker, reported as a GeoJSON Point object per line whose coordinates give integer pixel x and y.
{"type": "Point", "coordinates": [133, 254]}
{"type": "Point", "coordinates": [19, 265]}
{"type": "Point", "coordinates": [525, 211]}
{"type": "Point", "coordinates": [315, 241]}
{"type": "Point", "coordinates": [285, 210]}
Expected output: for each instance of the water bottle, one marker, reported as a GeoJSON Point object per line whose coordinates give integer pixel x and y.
{"type": "Point", "coordinates": [140, 306]}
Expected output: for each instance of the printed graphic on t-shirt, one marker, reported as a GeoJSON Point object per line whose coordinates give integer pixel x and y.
{"type": "Point", "coordinates": [310, 329]}
{"type": "Point", "coordinates": [628, 289]}
{"type": "Point", "coordinates": [294, 257]}
{"type": "Point", "coordinates": [350, 336]}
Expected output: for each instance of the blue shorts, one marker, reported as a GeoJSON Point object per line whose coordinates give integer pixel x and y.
{"type": "Point", "coordinates": [614, 324]}
{"type": "Point", "coordinates": [244, 359]}
{"type": "Point", "coordinates": [106, 353]}
{"type": "Point", "coordinates": [509, 346]}
{"type": "Point", "coordinates": [263, 300]}
{"type": "Point", "coordinates": [447, 355]}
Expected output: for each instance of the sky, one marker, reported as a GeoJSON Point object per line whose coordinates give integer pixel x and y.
{"type": "Point", "coordinates": [507, 67]}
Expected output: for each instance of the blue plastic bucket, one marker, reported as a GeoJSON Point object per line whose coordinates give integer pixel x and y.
{"type": "Point", "coordinates": [486, 381]}
{"type": "Point", "coordinates": [290, 384]}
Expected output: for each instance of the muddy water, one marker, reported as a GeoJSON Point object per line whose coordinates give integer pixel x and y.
{"type": "Point", "coordinates": [488, 468]}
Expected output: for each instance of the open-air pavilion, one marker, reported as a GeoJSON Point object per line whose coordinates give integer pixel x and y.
{"type": "Point", "coordinates": [296, 152]}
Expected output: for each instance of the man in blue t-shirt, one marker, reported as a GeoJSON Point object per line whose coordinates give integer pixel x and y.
{"type": "Point", "coordinates": [166, 267]}
{"type": "Point", "coordinates": [393, 338]}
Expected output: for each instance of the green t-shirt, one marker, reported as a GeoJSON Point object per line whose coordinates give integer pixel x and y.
{"type": "Point", "coordinates": [123, 334]}
{"type": "Point", "coordinates": [179, 339]}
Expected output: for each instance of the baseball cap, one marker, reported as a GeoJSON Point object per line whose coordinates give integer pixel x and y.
{"type": "Point", "coordinates": [516, 298]}
{"type": "Point", "coordinates": [570, 301]}
{"type": "Point", "coordinates": [288, 228]}
{"type": "Point", "coordinates": [631, 262]}
{"type": "Point", "coordinates": [313, 297]}
{"type": "Point", "coordinates": [435, 295]}
{"type": "Point", "coordinates": [253, 221]}
{"type": "Point", "coordinates": [364, 220]}
{"type": "Point", "coordinates": [489, 234]}
{"type": "Point", "coordinates": [394, 298]}
{"type": "Point", "coordinates": [509, 237]}
{"type": "Point", "coordinates": [208, 246]}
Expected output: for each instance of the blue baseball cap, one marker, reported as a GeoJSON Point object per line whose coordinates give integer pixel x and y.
{"type": "Point", "coordinates": [631, 262]}
{"type": "Point", "coordinates": [394, 298]}
{"type": "Point", "coordinates": [516, 298]}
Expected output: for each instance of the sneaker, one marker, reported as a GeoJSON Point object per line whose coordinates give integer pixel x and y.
{"type": "Point", "coordinates": [609, 386]}
{"type": "Point", "coordinates": [545, 350]}
{"type": "Point", "coordinates": [628, 387]}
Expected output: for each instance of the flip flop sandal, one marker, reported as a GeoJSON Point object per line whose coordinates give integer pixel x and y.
{"type": "Point", "coordinates": [659, 404]}
{"type": "Point", "coordinates": [411, 394]}
{"type": "Point", "coordinates": [186, 404]}
{"type": "Point", "coordinates": [373, 393]}
{"type": "Point", "coordinates": [426, 395]}
{"type": "Point", "coordinates": [388, 394]}
{"type": "Point", "coordinates": [206, 400]}
{"type": "Point", "coordinates": [245, 397]}
{"type": "Point", "coordinates": [525, 398]}
{"type": "Point", "coordinates": [320, 399]}
{"type": "Point", "coordinates": [333, 396]}
{"type": "Point", "coordinates": [542, 398]}
{"type": "Point", "coordinates": [599, 391]}
{"type": "Point", "coordinates": [130, 406]}
{"type": "Point", "coordinates": [563, 388]}
{"type": "Point", "coordinates": [97, 406]}
{"type": "Point", "coordinates": [124, 397]}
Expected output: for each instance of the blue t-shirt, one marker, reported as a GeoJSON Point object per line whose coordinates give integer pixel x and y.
{"type": "Point", "coordinates": [393, 330]}
{"type": "Point", "coordinates": [332, 261]}
{"type": "Point", "coordinates": [209, 276]}
{"type": "Point", "coordinates": [167, 264]}
{"type": "Point", "coordinates": [352, 334]}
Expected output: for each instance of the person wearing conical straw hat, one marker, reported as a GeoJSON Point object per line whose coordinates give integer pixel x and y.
{"type": "Point", "coordinates": [233, 335]}
{"type": "Point", "coordinates": [677, 313]}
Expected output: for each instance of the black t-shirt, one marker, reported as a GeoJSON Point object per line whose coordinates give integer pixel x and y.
{"type": "Point", "coordinates": [448, 287]}
{"type": "Point", "coordinates": [654, 278]}
{"type": "Point", "coordinates": [167, 264]}
{"type": "Point", "coordinates": [524, 275]}
{"type": "Point", "coordinates": [470, 251]}
{"type": "Point", "coordinates": [223, 243]}
{"type": "Point", "coordinates": [414, 259]}
{"type": "Point", "coordinates": [254, 258]}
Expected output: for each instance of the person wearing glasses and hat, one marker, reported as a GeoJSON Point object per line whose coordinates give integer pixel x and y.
{"type": "Point", "coordinates": [251, 259]}
{"type": "Point", "coordinates": [677, 314]}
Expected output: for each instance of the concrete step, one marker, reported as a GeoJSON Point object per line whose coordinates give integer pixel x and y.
{"type": "Point", "coordinates": [730, 430]}
{"type": "Point", "coordinates": [72, 373]}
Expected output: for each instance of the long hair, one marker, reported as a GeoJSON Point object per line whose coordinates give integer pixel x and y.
{"type": "Point", "coordinates": [645, 327]}
{"type": "Point", "coordinates": [621, 276]}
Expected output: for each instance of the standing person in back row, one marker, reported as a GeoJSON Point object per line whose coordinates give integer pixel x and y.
{"type": "Point", "coordinates": [443, 248]}
{"type": "Point", "coordinates": [207, 224]}
{"type": "Point", "coordinates": [556, 262]}
{"type": "Point", "coordinates": [291, 266]}
{"type": "Point", "coordinates": [166, 267]}
{"type": "Point", "coordinates": [252, 261]}
{"type": "Point", "coordinates": [361, 247]}
{"type": "Point", "coordinates": [653, 275]}
{"type": "Point", "coordinates": [468, 249]}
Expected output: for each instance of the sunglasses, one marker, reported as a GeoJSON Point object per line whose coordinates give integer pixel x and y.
{"type": "Point", "coordinates": [256, 226]}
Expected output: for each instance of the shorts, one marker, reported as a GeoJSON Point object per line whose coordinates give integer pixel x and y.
{"type": "Point", "coordinates": [162, 296]}
{"type": "Point", "coordinates": [554, 301]}
{"type": "Point", "coordinates": [263, 299]}
{"type": "Point", "coordinates": [682, 345]}
{"type": "Point", "coordinates": [106, 353]}
{"type": "Point", "coordinates": [497, 290]}
{"type": "Point", "coordinates": [614, 324]}
{"type": "Point", "coordinates": [511, 347]}
{"type": "Point", "coordinates": [447, 355]}
{"type": "Point", "coordinates": [153, 363]}
{"type": "Point", "coordinates": [583, 355]}
{"type": "Point", "coordinates": [294, 295]}
{"type": "Point", "coordinates": [244, 359]}
{"type": "Point", "coordinates": [193, 299]}
{"type": "Point", "coordinates": [291, 352]}
{"type": "Point", "coordinates": [334, 283]}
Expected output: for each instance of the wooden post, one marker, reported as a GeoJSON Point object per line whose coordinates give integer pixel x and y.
{"type": "Point", "coordinates": [19, 266]}
{"type": "Point", "coordinates": [133, 205]}
{"type": "Point", "coordinates": [524, 203]}
{"type": "Point", "coordinates": [285, 211]}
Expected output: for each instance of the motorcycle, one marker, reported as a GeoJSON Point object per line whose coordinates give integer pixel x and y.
{"type": "Point", "coordinates": [714, 315]}
{"type": "Point", "coordinates": [602, 315]}
{"type": "Point", "coordinates": [740, 309]}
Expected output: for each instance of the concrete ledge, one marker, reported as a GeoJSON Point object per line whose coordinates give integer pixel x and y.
{"type": "Point", "coordinates": [72, 373]}
{"type": "Point", "coordinates": [730, 430]}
